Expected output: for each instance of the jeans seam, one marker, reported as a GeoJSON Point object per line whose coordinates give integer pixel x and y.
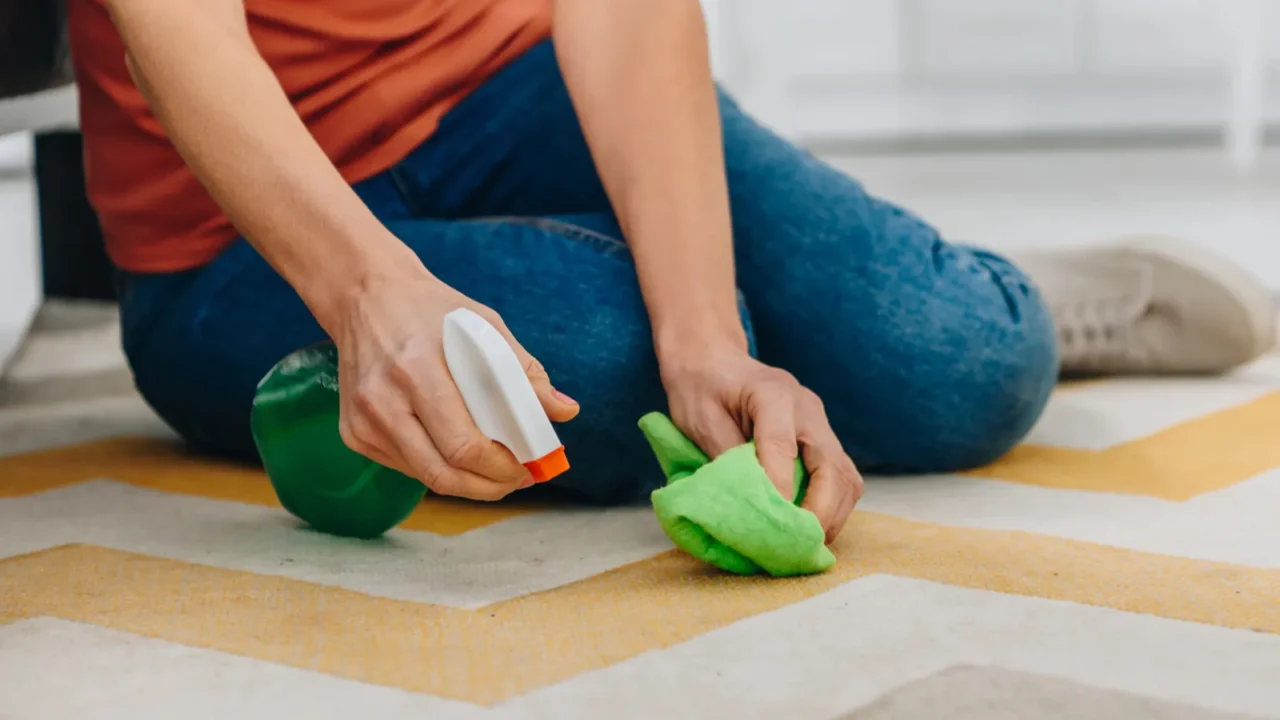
{"type": "Point", "coordinates": [598, 240]}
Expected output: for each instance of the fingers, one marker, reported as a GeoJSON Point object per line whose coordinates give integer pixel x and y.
{"type": "Point", "coordinates": [418, 457]}
{"type": "Point", "coordinates": [714, 431]}
{"type": "Point", "coordinates": [558, 406]}
{"type": "Point", "coordinates": [360, 436]}
{"type": "Point", "coordinates": [835, 485]}
{"type": "Point", "coordinates": [435, 400]}
{"type": "Point", "coordinates": [396, 438]}
{"type": "Point", "coordinates": [834, 489]}
{"type": "Point", "coordinates": [412, 419]}
{"type": "Point", "coordinates": [443, 477]}
{"type": "Point", "coordinates": [772, 411]}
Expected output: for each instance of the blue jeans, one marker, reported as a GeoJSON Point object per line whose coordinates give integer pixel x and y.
{"type": "Point", "coordinates": [929, 356]}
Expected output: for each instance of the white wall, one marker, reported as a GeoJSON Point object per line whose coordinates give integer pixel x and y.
{"type": "Point", "coordinates": [894, 68]}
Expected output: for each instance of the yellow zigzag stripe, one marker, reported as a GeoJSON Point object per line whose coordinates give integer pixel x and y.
{"type": "Point", "coordinates": [1196, 457]}
{"type": "Point", "coordinates": [163, 466]}
{"type": "Point", "coordinates": [513, 647]}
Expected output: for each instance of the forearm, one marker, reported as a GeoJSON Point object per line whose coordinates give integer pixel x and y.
{"type": "Point", "coordinates": [639, 75]}
{"type": "Point", "coordinates": [230, 120]}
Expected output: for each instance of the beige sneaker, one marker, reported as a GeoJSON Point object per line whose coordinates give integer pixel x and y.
{"type": "Point", "coordinates": [1153, 305]}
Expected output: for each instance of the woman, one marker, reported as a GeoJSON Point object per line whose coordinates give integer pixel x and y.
{"type": "Point", "coordinates": [271, 173]}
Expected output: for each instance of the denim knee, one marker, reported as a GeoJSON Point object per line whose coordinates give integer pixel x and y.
{"type": "Point", "coordinates": [985, 414]}
{"type": "Point", "coordinates": [950, 384]}
{"type": "Point", "coordinates": [995, 414]}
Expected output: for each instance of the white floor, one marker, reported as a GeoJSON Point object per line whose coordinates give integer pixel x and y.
{"type": "Point", "coordinates": [1002, 200]}
{"type": "Point", "coordinates": [1050, 199]}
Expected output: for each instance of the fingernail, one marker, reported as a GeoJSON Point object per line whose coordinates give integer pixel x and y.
{"type": "Point", "coordinates": [528, 483]}
{"type": "Point", "coordinates": [564, 398]}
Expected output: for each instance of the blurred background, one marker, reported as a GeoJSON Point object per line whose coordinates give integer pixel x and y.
{"type": "Point", "coordinates": [1004, 122]}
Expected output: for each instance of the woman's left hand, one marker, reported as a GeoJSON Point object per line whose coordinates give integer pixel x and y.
{"type": "Point", "coordinates": [723, 398]}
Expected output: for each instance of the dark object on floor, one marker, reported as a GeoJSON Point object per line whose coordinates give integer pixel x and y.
{"type": "Point", "coordinates": [34, 58]}
{"type": "Point", "coordinates": [33, 48]}
{"type": "Point", "coordinates": [74, 260]}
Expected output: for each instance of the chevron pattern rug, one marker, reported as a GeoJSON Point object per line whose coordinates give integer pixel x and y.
{"type": "Point", "coordinates": [1123, 563]}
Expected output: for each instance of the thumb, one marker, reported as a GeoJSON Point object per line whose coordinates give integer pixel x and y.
{"type": "Point", "coordinates": [558, 406]}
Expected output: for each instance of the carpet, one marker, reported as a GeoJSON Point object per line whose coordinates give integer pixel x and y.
{"type": "Point", "coordinates": [1123, 563]}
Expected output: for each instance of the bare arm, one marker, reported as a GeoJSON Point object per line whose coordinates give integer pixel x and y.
{"type": "Point", "coordinates": [227, 115]}
{"type": "Point", "coordinates": [639, 75]}
{"type": "Point", "coordinates": [229, 118]}
{"type": "Point", "coordinates": [640, 78]}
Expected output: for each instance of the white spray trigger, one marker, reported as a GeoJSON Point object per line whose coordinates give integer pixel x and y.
{"type": "Point", "coordinates": [498, 393]}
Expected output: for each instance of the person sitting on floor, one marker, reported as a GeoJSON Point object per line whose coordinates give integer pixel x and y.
{"type": "Point", "coordinates": [271, 173]}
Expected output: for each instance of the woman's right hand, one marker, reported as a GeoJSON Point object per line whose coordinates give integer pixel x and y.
{"type": "Point", "coordinates": [399, 404]}
{"type": "Point", "coordinates": [212, 90]}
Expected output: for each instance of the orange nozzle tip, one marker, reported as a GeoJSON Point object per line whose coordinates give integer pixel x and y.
{"type": "Point", "coordinates": [548, 466]}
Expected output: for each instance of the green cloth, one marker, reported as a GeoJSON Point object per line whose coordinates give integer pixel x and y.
{"type": "Point", "coordinates": [728, 513]}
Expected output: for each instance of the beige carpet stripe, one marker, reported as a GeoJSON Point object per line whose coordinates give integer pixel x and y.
{"type": "Point", "coordinates": [1121, 410]}
{"type": "Point", "coordinates": [825, 656]}
{"type": "Point", "coordinates": [513, 647]}
{"type": "Point", "coordinates": [164, 466]}
{"type": "Point", "coordinates": [53, 669]}
{"type": "Point", "coordinates": [981, 693]}
{"type": "Point", "coordinates": [1196, 457]}
{"type": "Point", "coordinates": [506, 560]}
{"type": "Point", "coordinates": [840, 650]}
{"type": "Point", "coordinates": [77, 388]}
{"type": "Point", "coordinates": [1236, 525]}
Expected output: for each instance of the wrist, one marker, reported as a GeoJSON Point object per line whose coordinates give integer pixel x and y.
{"type": "Point", "coordinates": [347, 281]}
{"type": "Point", "coordinates": [688, 340]}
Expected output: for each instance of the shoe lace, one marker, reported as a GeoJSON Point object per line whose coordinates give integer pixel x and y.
{"type": "Point", "coordinates": [1098, 334]}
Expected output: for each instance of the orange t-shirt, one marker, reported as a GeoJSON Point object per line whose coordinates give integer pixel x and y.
{"type": "Point", "coordinates": [370, 78]}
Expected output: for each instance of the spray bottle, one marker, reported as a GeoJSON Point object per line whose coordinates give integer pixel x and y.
{"type": "Point", "coordinates": [338, 491]}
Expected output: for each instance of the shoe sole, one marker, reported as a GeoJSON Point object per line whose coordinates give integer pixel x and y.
{"type": "Point", "coordinates": [1257, 300]}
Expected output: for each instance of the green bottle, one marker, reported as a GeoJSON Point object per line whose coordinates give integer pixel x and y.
{"type": "Point", "coordinates": [316, 476]}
